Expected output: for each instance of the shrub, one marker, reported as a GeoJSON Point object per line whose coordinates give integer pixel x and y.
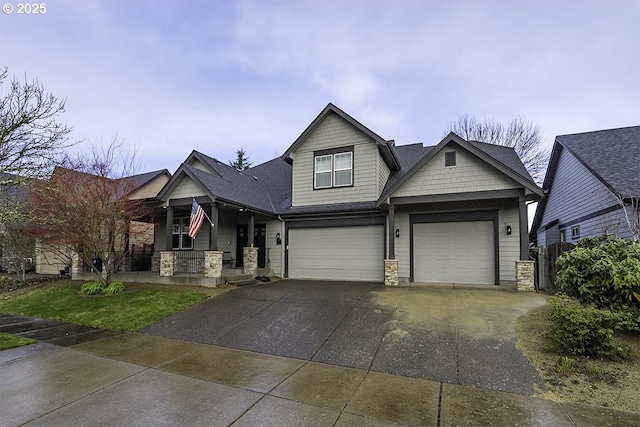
{"type": "Point", "coordinates": [587, 331]}
{"type": "Point", "coordinates": [602, 271]}
{"type": "Point", "coordinates": [91, 288]}
{"type": "Point", "coordinates": [6, 281]}
{"type": "Point", "coordinates": [114, 287]}
{"type": "Point", "coordinates": [96, 288]}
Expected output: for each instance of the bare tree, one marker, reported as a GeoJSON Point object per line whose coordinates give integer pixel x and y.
{"type": "Point", "coordinates": [31, 139]}
{"type": "Point", "coordinates": [524, 137]}
{"type": "Point", "coordinates": [86, 205]}
{"type": "Point", "coordinates": [242, 161]}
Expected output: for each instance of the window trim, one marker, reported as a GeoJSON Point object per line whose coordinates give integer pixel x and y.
{"type": "Point", "coordinates": [332, 152]}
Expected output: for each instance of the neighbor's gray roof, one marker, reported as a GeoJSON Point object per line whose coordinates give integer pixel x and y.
{"type": "Point", "coordinates": [144, 178]}
{"type": "Point", "coordinates": [612, 155]}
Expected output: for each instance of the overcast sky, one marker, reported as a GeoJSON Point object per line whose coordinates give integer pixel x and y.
{"type": "Point", "coordinates": [169, 77]}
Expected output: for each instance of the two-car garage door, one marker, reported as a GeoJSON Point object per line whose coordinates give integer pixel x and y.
{"type": "Point", "coordinates": [343, 253]}
{"type": "Point", "coordinates": [454, 252]}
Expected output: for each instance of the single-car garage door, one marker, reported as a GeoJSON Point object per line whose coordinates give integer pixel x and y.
{"type": "Point", "coordinates": [342, 253]}
{"type": "Point", "coordinates": [454, 252]}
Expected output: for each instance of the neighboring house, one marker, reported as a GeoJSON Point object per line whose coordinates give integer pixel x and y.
{"type": "Point", "coordinates": [589, 176]}
{"type": "Point", "coordinates": [52, 260]}
{"type": "Point", "coordinates": [341, 200]}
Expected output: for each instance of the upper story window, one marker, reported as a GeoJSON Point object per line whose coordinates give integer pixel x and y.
{"type": "Point", "coordinates": [323, 171]}
{"type": "Point", "coordinates": [333, 168]}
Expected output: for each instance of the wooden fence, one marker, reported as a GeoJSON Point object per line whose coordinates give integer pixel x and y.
{"type": "Point", "coordinates": [547, 269]}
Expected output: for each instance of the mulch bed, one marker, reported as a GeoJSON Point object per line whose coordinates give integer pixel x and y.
{"type": "Point", "coordinates": [7, 284]}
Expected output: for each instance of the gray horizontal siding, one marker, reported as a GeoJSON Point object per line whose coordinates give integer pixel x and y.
{"type": "Point", "coordinates": [574, 192]}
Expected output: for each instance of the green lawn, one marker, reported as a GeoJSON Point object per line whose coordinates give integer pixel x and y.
{"type": "Point", "coordinates": [128, 311]}
{"type": "Point", "coordinates": [10, 341]}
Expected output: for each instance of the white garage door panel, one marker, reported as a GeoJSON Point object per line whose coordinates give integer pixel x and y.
{"type": "Point", "coordinates": [454, 252]}
{"type": "Point", "coordinates": [346, 253]}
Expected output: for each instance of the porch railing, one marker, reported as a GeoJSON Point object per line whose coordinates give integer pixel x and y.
{"type": "Point", "coordinates": [187, 262]}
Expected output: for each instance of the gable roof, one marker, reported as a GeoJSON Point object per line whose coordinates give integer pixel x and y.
{"type": "Point", "coordinates": [502, 158]}
{"type": "Point", "coordinates": [384, 147]}
{"type": "Point", "coordinates": [227, 184]}
{"type": "Point", "coordinates": [267, 187]}
{"type": "Point", "coordinates": [144, 178]}
{"type": "Point", "coordinates": [611, 155]}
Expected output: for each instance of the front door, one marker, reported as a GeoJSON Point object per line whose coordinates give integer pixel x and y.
{"type": "Point", "coordinates": [259, 241]}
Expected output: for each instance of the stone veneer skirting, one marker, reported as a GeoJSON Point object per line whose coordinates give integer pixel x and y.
{"type": "Point", "coordinates": [167, 263]}
{"type": "Point", "coordinates": [525, 275]}
{"type": "Point", "coordinates": [213, 264]}
{"type": "Point", "coordinates": [250, 260]}
{"type": "Point", "coordinates": [391, 272]}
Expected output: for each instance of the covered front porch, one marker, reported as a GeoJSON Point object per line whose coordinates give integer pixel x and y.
{"type": "Point", "coordinates": [232, 241]}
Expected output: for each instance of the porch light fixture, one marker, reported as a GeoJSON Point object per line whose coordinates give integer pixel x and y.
{"type": "Point", "coordinates": [397, 232]}
{"type": "Point", "coordinates": [508, 229]}
{"type": "Point", "coordinates": [278, 240]}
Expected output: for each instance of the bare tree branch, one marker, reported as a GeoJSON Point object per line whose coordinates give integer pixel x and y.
{"type": "Point", "coordinates": [31, 139]}
{"type": "Point", "coordinates": [521, 135]}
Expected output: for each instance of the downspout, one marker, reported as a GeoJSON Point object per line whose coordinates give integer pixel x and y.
{"type": "Point", "coordinates": [536, 281]}
{"type": "Point", "coordinates": [282, 247]}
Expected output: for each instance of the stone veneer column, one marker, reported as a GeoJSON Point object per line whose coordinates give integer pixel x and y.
{"type": "Point", "coordinates": [167, 263]}
{"type": "Point", "coordinates": [76, 264]}
{"type": "Point", "coordinates": [525, 272]}
{"type": "Point", "coordinates": [391, 272]}
{"type": "Point", "coordinates": [250, 260]}
{"type": "Point", "coordinates": [213, 264]}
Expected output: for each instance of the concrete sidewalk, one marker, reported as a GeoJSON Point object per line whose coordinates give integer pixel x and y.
{"type": "Point", "coordinates": [83, 376]}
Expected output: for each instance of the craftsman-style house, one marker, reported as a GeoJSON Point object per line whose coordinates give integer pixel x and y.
{"type": "Point", "coordinates": [343, 203]}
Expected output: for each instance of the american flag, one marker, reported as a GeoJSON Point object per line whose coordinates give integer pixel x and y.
{"type": "Point", "coordinates": [197, 218]}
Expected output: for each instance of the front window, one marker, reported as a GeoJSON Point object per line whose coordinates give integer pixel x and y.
{"type": "Point", "coordinates": [333, 170]}
{"type": "Point", "coordinates": [180, 238]}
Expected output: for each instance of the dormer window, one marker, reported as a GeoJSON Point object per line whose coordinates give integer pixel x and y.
{"type": "Point", "coordinates": [450, 158]}
{"type": "Point", "coordinates": [333, 168]}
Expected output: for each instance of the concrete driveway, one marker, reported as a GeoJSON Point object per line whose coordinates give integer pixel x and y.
{"type": "Point", "coordinates": [459, 335]}
{"type": "Point", "coordinates": [436, 338]}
